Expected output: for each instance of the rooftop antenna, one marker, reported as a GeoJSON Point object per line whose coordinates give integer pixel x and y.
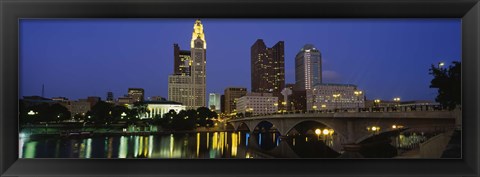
{"type": "Point", "coordinates": [43, 90]}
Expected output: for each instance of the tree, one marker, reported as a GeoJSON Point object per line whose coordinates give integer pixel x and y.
{"type": "Point", "coordinates": [448, 82]}
{"type": "Point", "coordinates": [43, 112]}
{"type": "Point", "coordinates": [204, 116]}
{"type": "Point", "coordinates": [100, 113]}
{"type": "Point", "coordinates": [58, 112]}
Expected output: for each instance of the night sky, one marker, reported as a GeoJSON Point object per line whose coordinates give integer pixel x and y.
{"type": "Point", "coordinates": [385, 58]}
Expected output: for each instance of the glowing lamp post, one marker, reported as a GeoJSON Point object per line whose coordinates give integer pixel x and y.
{"type": "Point", "coordinates": [31, 113]}
{"type": "Point", "coordinates": [123, 114]}
{"type": "Point", "coordinates": [373, 129]}
{"type": "Point", "coordinates": [397, 101]}
{"type": "Point", "coordinates": [318, 132]}
{"type": "Point", "coordinates": [441, 64]}
{"type": "Point", "coordinates": [357, 93]}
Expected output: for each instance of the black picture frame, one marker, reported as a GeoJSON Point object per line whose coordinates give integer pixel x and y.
{"type": "Point", "coordinates": [12, 10]}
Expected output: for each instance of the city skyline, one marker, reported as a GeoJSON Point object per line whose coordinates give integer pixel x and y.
{"type": "Point", "coordinates": [366, 65]}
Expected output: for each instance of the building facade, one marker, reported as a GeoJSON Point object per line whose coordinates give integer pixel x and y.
{"type": "Point", "coordinates": [257, 103]}
{"type": "Point", "coordinates": [268, 68]}
{"type": "Point", "coordinates": [232, 94]}
{"type": "Point", "coordinates": [80, 107]}
{"type": "Point", "coordinates": [308, 67]}
{"type": "Point", "coordinates": [159, 108]}
{"type": "Point", "coordinates": [189, 88]}
{"type": "Point", "coordinates": [297, 100]}
{"type": "Point", "coordinates": [334, 96]}
{"type": "Point", "coordinates": [137, 94]}
{"type": "Point", "coordinates": [181, 64]}
{"type": "Point", "coordinates": [180, 90]}
{"type": "Point", "coordinates": [214, 101]}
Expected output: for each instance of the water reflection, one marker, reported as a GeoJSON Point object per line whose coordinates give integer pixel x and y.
{"type": "Point", "coordinates": [259, 144]}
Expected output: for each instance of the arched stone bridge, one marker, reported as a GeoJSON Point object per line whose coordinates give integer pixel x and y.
{"type": "Point", "coordinates": [351, 127]}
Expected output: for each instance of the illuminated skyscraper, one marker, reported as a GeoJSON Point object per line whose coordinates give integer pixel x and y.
{"type": "Point", "coordinates": [214, 101]}
{"type": "Point", "coordinates": [188, 83]}
{"type": "Point", "coordinates": [181, 61]}
{"type": "Point", "coordinates": [137, 94]}
{"type": "Point", "coordinates": [308, 68]}
{"type": "Point", "coordinates": [198, 48]}
{"type": "Point", "coordinates": [268, 68]}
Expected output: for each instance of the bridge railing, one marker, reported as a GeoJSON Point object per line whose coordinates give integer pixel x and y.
{"type": "Point", "coordinates": [416, 108]}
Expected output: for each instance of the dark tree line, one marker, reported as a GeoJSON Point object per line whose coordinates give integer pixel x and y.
{"type": "Point", "coordinates": [448, 81]}
{"type": "Point", "coordinates": [187, 119]}
{"type": "Point", "coordinates": [104, 112]}
{"type": "Point", "coordinates": [43, 113]}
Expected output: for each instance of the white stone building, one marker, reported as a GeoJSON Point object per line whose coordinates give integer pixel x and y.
{"type": "Point", "coordinates": [155, 108]}
{"type": "Point", "coordinates": [257, 103]}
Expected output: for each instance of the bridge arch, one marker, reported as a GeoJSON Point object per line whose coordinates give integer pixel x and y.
{"type": "Point", "coordinates": [230, 126]}
{"type": "Point", "coordinates": [272, 123]}
{"type": "Point", "coordinates": [338, 128]}
{"type": "Point", "coordinates": [243, 126]}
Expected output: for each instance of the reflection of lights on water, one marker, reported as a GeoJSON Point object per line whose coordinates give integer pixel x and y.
{"type": "Point", "coordinates": [145, 146]}
{"type": "Point", "coordinates": [140, 146]}
{"type": "Point", "coordinates": [171, 145]}
{"type": "Point", "coordinates": [88, 152]}
{"type": "Point", "coordinates": [30, 149]}
{"type": "Point", "coordinates": [273, 139]}
{"type": "Point", "coordinates": [136, 147]}
{"type": "Point", "coordinates": [215, 140]}
{"type": "Point", "coordinates": [110, 150]}
{"type": "Point", "coordinates": [150, 146]}
{"type": "Point", "coordinates": [247, 136]}
{"type": "Point", "coordinates": [21, 143]}
{"type": "Point", "coordinates": [234, 144]}
{"type": "Point", "coordinates": [208, 140]}
{"type": "Point", "coordinates": [278, 141]}
{"type": "Point", "coordinates": [260, 139]}
{"type": "Point", "coordinates": [293, 141]}
{"type": "Point", "coordinates": [198, 144]}
{"type": "Point", "coordinates": [123, 148]}
{"type": "Point", "coordinates": [239, 137]}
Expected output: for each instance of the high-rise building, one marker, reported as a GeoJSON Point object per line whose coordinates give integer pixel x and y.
{"type": "Point", "coordinates": [137, 94]}
{"type": "Point", "coordinates": [181, 61]}
{"type": "Point", "coordinates": [308, 67]}
{"type": "Point", "coordinates": [222, 103]}
{"type": "Point", "coordinates": [214, 101]}
{"type": "Point", "coordinates": [110, 98]}
{"type": "Point", "coordinates": [180, 90]}
{"type": "Point", "coordinates": [257, 103]}
{"type": "Point", "coordinates": [198, 47]}
{"type": "Point", "coordinates": [189, 88]}
{"type": "Point", "coordinates": [231, 97]}
{"type": "Point", "coordinates": [268, 68]}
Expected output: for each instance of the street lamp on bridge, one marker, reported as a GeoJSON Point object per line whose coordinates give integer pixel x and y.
{"type": "Point", "coordinates": [397, 101]}
{"type": "Point", "coordinates": [357, 93]}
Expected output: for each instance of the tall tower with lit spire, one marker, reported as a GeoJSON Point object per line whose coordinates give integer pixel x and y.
{"type": "Point", "coordinates": [188, 83]}
{"type": "Point", "coordinates": [198, 47]}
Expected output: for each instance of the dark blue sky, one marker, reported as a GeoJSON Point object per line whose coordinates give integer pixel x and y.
{"type": "Point", "coordinates": [78, 58]}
